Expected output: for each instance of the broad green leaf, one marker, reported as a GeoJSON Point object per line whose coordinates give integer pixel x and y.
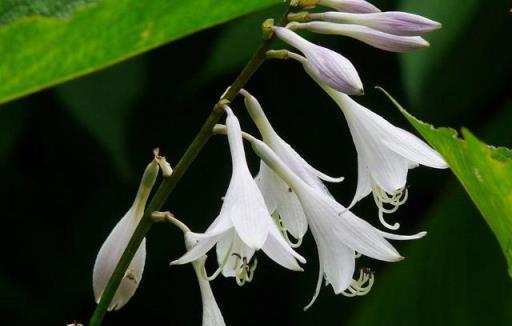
{"type": "Point", "coordinates": [483, 170]}
{"type": "Point", "coordinates": [467, 60]}
{"type": "Point", "coordinates": [46, 42]}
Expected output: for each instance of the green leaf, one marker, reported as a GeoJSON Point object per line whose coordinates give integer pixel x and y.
{"type": "Point", "coordinates": [484, 171]}
{"type": "Point", "coordinates": [52, 41]}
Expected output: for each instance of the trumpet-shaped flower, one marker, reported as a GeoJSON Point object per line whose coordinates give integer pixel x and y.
{"type": "Point", "coordinates": [331, 67]}
{"type": "Point", "coordinates": [211, 312]}
{"type": "Point", "coordinates": [278, 195]}
{"type": "Point", "coordinates": [385, 153]}
{"type": "Point", "coordinates": [392, 22]}
{"type": "Point", "coordinates": [244, 224]}
{"type": "Point", "coordinates": [116, 242]}
{"type": "Point", "coordinates": [338, 233]}
{"type": "Point", "coordinates": [370, 36]}
{"type": "Point", "coordinates": [358, 6]}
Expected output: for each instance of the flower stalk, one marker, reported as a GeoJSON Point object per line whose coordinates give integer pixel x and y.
{"type": "Point", "coordinates": [169, 182]}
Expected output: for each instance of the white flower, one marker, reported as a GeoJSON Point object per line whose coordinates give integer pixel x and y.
{"type": "Point", "coordinates": [244, 224]}
{"type": "Point", "coordinates": [359, 6]}
{"type": "Point", "coordinates": [392, 22]}
{"type": "Point", "coordinates": [211, 312]}
{"type": "Point", "coordinates": [331, 67]}
{"type": "Point", "coordinates": [278, 195]}
{"type": "Point", "coordinates": [116, 242]}
{"type": "Point", "coordinates": [339, 234]}
{"type": "Point", "coordinates": [385, 153]}
{"type": "Point", "coordinates": [370, 36]}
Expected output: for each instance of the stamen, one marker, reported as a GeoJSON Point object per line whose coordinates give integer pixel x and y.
{"type": "Point", "coordinates": [389, 203]}
{"type": "Point", "coordinates": [362, 285]}
{"type": "Point", "coordinates": [221, 266]}
{"type": "Point", "coordinates": [284, 232]}
{"type": "Point", "coordinates": [244, 273]}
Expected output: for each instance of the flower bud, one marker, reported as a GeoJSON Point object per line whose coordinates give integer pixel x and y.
{"type": "Point", "coordinates": [370, 36]}
{"type": "Point", "coordinates": [392, 22]}
{"type": "Point", "coordinates": [326, 65]}
{"type": "Point", "coordinates": [357, 6]}
{"type": "Point", "coordinates": [115, 244]}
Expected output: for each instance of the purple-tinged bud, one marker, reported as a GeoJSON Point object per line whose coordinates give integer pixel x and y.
{"type": "Point", "coordinates": [370, 36]}
{"type": "Point", "coordinates": [356, 6]}
{"type": "Point", "coordinates": [392, 22]}
{"type": "Point", "coordinates": [326, 65]}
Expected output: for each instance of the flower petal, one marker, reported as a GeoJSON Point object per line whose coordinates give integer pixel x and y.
{"type": "Point", "coordinates": [360, 6]}
{"type": "Point", "coordinates": [363, 182]}
{"type": "Point", "coordinates": [211, 312]}
{"type": "Point", "coordinates": [108, 257]}
{"type": "Point", "coordinates": [199, 249]}
{"type": "Point", "coordinates": [414, 149]}
{"type": "Point", "coordinates": [279, 251]}
{"type": "Point", "coordinates": [370, 36]}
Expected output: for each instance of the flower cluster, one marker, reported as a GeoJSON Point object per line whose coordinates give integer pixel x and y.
{"type": "Point", "coordinates": [273, 211]}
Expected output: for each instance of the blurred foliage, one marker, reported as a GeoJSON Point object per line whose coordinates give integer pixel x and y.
{"type": "Point", "coordinates": [61, 195]}
{"type": "Point", "coordinates": [43, 51]}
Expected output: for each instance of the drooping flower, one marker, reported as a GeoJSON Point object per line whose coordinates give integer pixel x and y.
{"type": "Point", "coordinates": [116, 242]}
{"type": "Point", "coordinates": [385, 153]}
{"type": "Point", "coordinates": [370, 36]}
{"type": "Point", "coordinates": [278, 195]}
{"type": "Point", "coordinates": [339, 235]}
{"type": "Point", "coordinates": [244, 224]}
{"type": "Point", "coordinates": [357, 6]}
{"type": "Point", "coordinates": [212, 315]}
{"type": "Point", "coordinates": [392, 22]}
{"type": "Point", "coordinates": [331, 67]}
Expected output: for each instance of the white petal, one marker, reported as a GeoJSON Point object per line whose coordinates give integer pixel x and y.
{"type": "Point", "coordinates": [414, 149]}
{"type": "Point", "coordinates": [247, 210]}
{"type": "Point", "coordinates": [266, 183]}
{"type": "Point", "coordinates": [279, 251]}
{"type": "Point", "coordinates": [199, 249]}
{"type": "Point", "coordinates": [286, 202]}
{"type": "Point", "coordinates": [363, 182]}
{"type": "Point", "coordinates": [243, 202]}
{"type": "Point", "coordinates": [211, 312]}
{"type": "Point", "coordinates": [317, 288]}
{"type": "Point", "coordinates": [334, 223]}
{"type": "Point", "coordinates": [109, 256]}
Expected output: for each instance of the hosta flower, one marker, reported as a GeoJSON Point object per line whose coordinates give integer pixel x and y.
{"type": "Point", "coordinates": [331, 67]}
{"type": "Point", "coordinates": [392, 22]}
{"type": "Point", "coordinates": [370, 36]}
{"type": "Point", "coordinates": [385, 153]}
{"type": "Point", "coordinates": [276, 192]}
{"type": "Point", "coordinates": [211, 312]}
{"type": "Point", "coordinates": [359, 6]}
{"type": "Point", "coordinates": [116, 242]}
{"type": "Point", "coordinates": [339, 234]}
{"type": "Point", "coordinates": [244, 224]}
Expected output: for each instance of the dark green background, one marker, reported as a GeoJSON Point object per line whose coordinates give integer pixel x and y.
{"type": "Point", "coordinates": [70, 159]}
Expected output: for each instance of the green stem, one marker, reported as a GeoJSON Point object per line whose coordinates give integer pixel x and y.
{"type": "Point", "coordinates": [170, 182]}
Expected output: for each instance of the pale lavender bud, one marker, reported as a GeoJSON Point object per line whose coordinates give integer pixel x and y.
{"type": "Point", "coordinates": [357, 6]}
{"type": "Point", "coordinates": [326, 65]}
{"type": "Point", "coordinates": [392, 22]}
{"type": "Point", "coordinates": [378, 39]}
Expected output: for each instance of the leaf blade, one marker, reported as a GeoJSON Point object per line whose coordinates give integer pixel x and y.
{"type": "Point", "coordinates": [39, 51]}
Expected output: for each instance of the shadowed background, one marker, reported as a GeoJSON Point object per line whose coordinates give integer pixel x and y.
{"type": "Point", "coordinates": [71, 158]}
